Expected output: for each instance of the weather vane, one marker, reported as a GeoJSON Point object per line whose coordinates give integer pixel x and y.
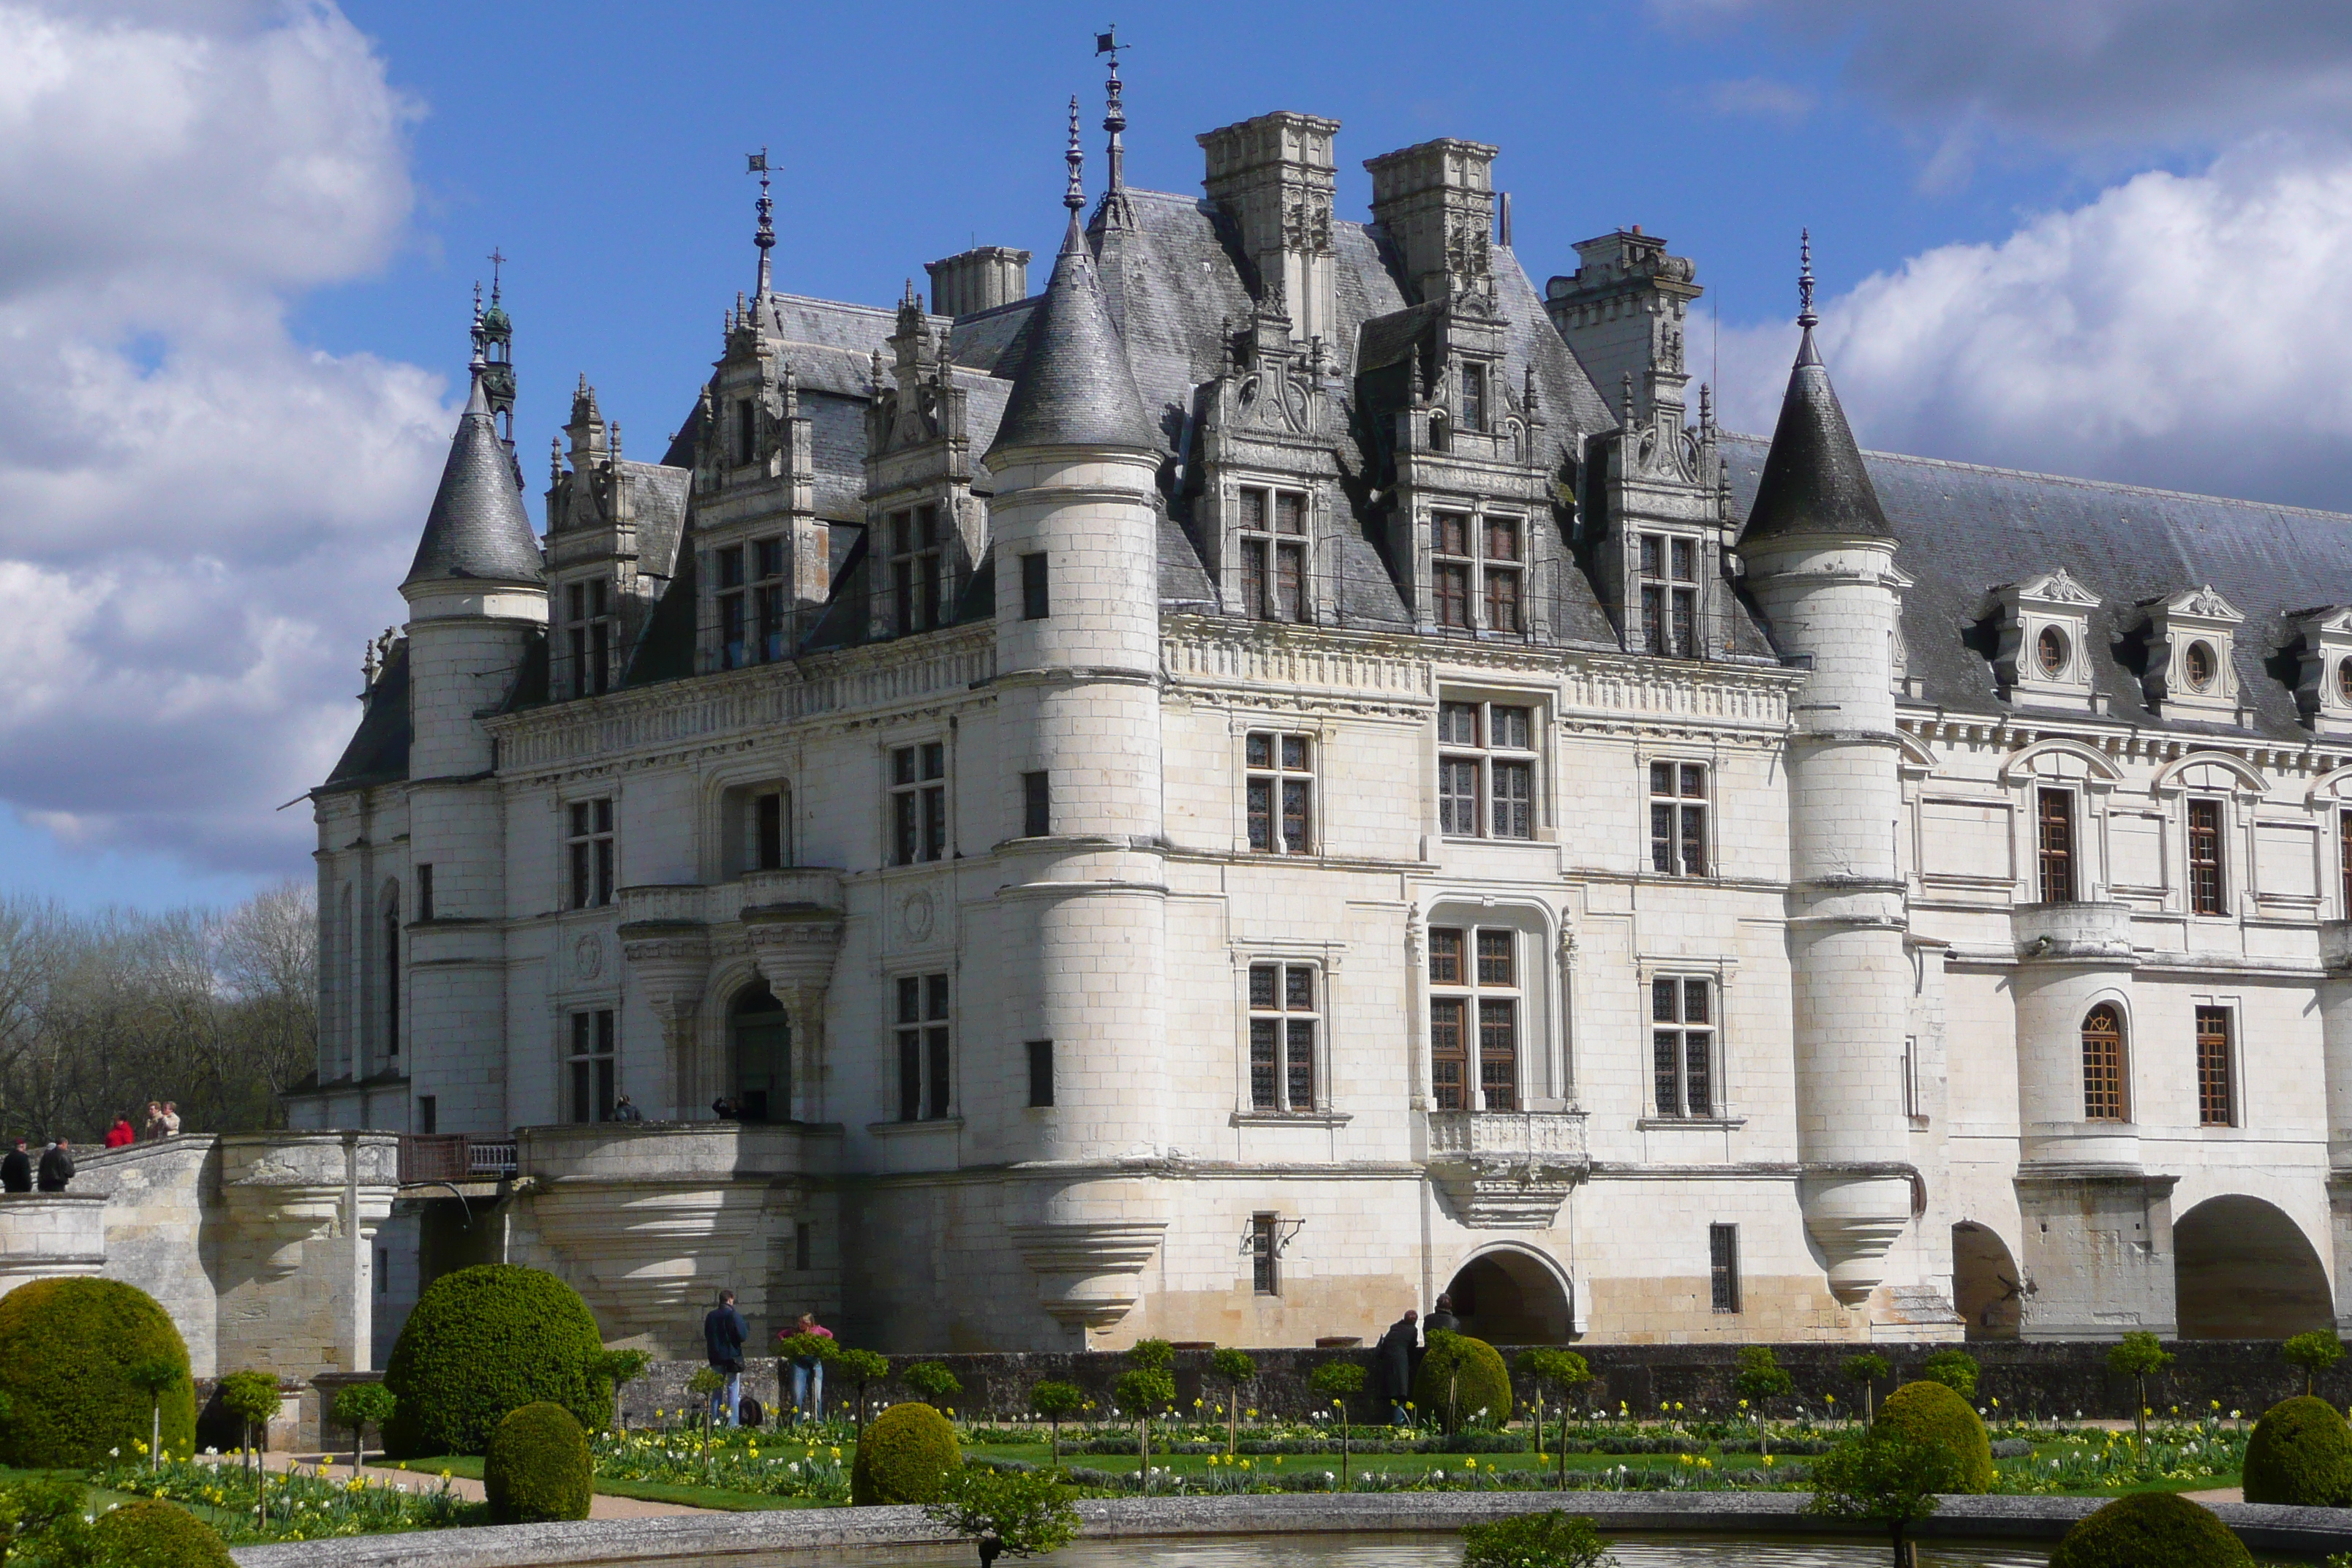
{"type": "Point", "coordinates": [757, 164]}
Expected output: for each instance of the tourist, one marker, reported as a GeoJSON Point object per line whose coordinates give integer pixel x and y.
{"type": "Point", "coordinates": [16, 1170]}
{"type": "Point", "coordinates": [171, 1119]}
{"type": "Point", "coordinates": [57, 1166]}
{"type": "Point", "coordinates": [1395, 1353]}
{"type": "Point", "coordinates": [808, 1371]}
{"type": "Point", "coordinates": [121, 1134]}
{"type": "Point", "coordinates": [1441, 1317]}
{"type": "Point", "coordinates": [625, 1109]}
{"type": "Point", "coordinates": [723, 1334]}
{"type": "Point", "coordinates": [154, 1120]}
{"type": "Point", "coordinates": [726, 1109]}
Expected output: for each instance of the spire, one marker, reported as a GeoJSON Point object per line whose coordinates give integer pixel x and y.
{"type": "Point", "coordinates": [1116, 212]}
{"type": "Point", "coordinates": [477, 531]}
{"type": "Point", "coordinates": [1814, 480]}
{"type": "Point", "coordinates": [1075, 198]}
{"type": "Point", "coordinates": [494, 341]}
{"type": "Point", "coordinates": [765, 238]}
{"type": "Point", "coordinates": [1074, 387]}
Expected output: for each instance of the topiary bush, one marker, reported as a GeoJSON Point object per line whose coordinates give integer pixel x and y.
{"type": "Point", "coordinates": [66, 1348]}
{"type": "Point", "coordinates": [906, 1455]}
{"type": "Point", "coordinates": [538, 1467]}
{"type": "Point", "coordinates": [1553, 1540]}
{"type": "Point", "coordinates": [1932, 1413]}
{"type": "Point", "coordinates": [2301, 1452]}
{"type": "Point", "coordinates": [1462, 1381]}
{"type": "Point", "coordinates": [2149, 1528]}
{"type": "Point", "coordinates": [148, 1532]}
{"type": "Point", "coordinates": [482, 1341]}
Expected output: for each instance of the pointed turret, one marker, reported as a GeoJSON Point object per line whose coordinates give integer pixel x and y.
{"type": "Point", "coordinates": [477, 531]}
{"type": "Point", "coordinates": [1075, 388]}
{"type": "Point", "coordinates": [1815, 481]}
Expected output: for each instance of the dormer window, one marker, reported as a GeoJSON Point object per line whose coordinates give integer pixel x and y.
{"type": "Point", "coordinates": [1473, 398]}
{"type": "Point", "coordinates": [1274, 554]}
{"type": "Point", "coordinates": [747, 430]}
{"type": "Point", "coordinates": [2043, 658]}
{"type": "Point", "coordinates": [2190, 670]}
{"type": "Point", "coordinates": [2053, 653]}
{"type": "Point", "coordinates": [1478, 561]}
{"type": "Point", "coordinates": [1669, 585]}
{"type": "Point", "coordinates": [751, 592]}
{"type": "Point", "coordinates": [2323, 687]}
{"type": "Point", "coordinates": [917, 577]}
{"type": "Point", "coordinates": [588, 627]}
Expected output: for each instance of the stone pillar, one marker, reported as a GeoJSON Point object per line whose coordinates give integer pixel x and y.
{"type": "Point", "coordinates": [671, 963]}
{"type": "Point", "coordinates": [794, 946]}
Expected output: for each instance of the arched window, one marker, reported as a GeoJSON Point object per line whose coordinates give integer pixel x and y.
{"type": "Point", "coordinates": [761, 1042]}
{"type": "Point", "coordinates": [391, 920]}
{"type": "Point", "coordinates": [2102, 1065]}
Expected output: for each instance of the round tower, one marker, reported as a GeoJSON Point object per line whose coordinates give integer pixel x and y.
{"type": "Point", "coordinates": [1074, 534]}
{"type": "Point", "coordinates": [1820, 559]}
{"type": "Point", "coordinates": [476, 595]}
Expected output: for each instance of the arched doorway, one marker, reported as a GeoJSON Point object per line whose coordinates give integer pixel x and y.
{"type": "Point", "coordinates": [760, 1055]}
{"type": "Point", "coordinates": [1508, 1297]}
{"type": "Point", "coordinates": [1987, 1285]}
{"type": "Point", "coordinates": [2242, 1270]}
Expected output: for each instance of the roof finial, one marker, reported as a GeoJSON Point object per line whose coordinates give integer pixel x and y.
{"type": "Point", "coordinates": [479, 362]}
{"type": "Point", "coordinates": [1805, 317]}
{"type": "Point", "coordinates": [766, 237]}
{"type": "Point", "coordinates": [497, 260]}
{"type": "Point", "coordinates": [1114, 113]}
{"type": "Point", "coordinates": [1075, 198]}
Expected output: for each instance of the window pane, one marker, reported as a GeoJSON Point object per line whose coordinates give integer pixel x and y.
{"type": "Point", "coordinates": [1498, 1054]}
{"type": "Point", "coordinates": [1684, 554]}
{"type": "Point", "coordinates": [2216, 1103]}
{"type": "Point", "coordinates": [2055, 815]}
{"type": "Point", "coordinates": [1258, 751]}
{"type": "Point", "coordinates": [1512, 729]}
{"type": "Point", "coordinates": [1295, 803]}
{"type": "Point", "coordinates": [603, 871]}
{"type": "Point", "coordinates": [1694, 841]}
{"type": "Point", "coordinates": [1293, 753]}
{"type": "Point", "coordinates": [1262, 982]}
{"type": "Point", "coordinates": [1662, 778]}
{"type": "Point", "coordinates": [1260, 814]}
{"type": "Point", "coordinates": [902, 836]}
{"type": "Point", "coordinates": [579, 1034]}
{"type": "Point", "coordinates": [1696, 1003]}
{"type": "Point", "coordinates": [1502, 600]}
{"type": "Point", "coordinates": [2102, 1065]}
{"type": "Point", "coordinates": [1298, 988]}
{"type": "Point", "coordinates": [911, 1000]}
{"type": "Point", "coordinates": [1457, 724]}
{"type": "Point", "coordinates": [936, 1047]}
{"type": "Point", "coordinates": [603, 809]}
{"type": "Point", "coordinates": [937, 997]}
{"type": "Point", "coordinates": [1494, 957]}
{"type": "Point", "coordinates": [2205, 856]}
{"type": "Point", "coordinates": [1452, 533]}
{"type": "Point", "coordinates": [1262, 1053]}
{"type": "Point", "coordinates": [1661, 839]}
{"type": "Point", "coordinates": [1446, 1054]}
{"type": "Point", "coordinates": [1502, 539]}
{"type": "Point", "coordinates": [1653, 619]}
{"type": "Point", "coordinates": [1289, 512]}
{"type": "Point", "coordinates": [1252, 510]}
{"type": "Point", "coordinates": [771, 557]}
{"type": "Point", "coordinates": [1446, 956]}
{"type": "Point", "coordinates": [1653, 554]}
{"type": "Point", "coordinates": [1291, 582]}
{"type": "Point", "coordinates": [935, 824]}
{"type": "Point", "coordinates": [1685, 630]}
{"type": "Point", "coordinates": [1664, 995]}
{"type": "Point", "coordinates": [603, 1033]}
{"type": "Point", "coordinates": [1457, 796]}
{"type": "Point", "coordinates": [935, 760]}
{"type": "Point", "coordinates": [1698, 1086]}
{"type": "Point", "coordinates": [911, 1075]}
{"type": "Point", "coordinates": [1299, 1064]}
{"type": "Point", "coordinates": [1694, 779]}
{"type": "Point", "coordinates": [1452, 594]}
{"type": "Point", "coordinates": [1666, 1050]}
{"type": "Point", "coordinates": [1514, 800]}
{"type": "Point", "coordinates": [902, 765]}
{"type": "Point", "coordinates": [1253, 578]}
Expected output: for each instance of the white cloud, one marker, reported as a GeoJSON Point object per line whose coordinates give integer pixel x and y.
{"type": "Point", "coordinates": [2181, 331]}
{"type": "Point", "coordinates": [199, 516]}
{"type": "Point", "coordinates": [1760, 98]}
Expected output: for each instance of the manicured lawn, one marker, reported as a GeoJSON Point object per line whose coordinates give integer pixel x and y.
{"type": "Point", "coordinates": [470, 1466]}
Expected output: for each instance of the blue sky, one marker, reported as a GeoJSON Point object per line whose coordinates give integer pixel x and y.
{"type": "Point", "coordinates": [237, 240]}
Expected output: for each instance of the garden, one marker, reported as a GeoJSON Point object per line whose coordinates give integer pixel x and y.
{"type": "Point", "coordinates": [499, 1377]}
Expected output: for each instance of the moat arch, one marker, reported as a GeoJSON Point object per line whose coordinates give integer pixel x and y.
{"type": "Point", "coordinates": [1509, 1295]}
{"type": "Point", "coordinates": [2243, 1270]}
{"type": "Point", "coordinates": [1988, 1287]}
{"type": "Point", "coordinates": [759, 1054]}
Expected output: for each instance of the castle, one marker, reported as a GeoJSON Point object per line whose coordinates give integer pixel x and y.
{"type": "Point", "coordinates": [1290, 772]}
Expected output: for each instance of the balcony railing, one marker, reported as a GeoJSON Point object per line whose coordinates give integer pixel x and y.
{"type": "Point", "coordinates": [454, 1157]}
{"type": "Point", "coordinates": [1548, 1135]}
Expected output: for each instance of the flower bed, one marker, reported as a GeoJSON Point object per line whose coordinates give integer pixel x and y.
{"type": "Point", "coordinates": [301, 1505]}
{"type": "Point", "coordinates": [772, 1464]}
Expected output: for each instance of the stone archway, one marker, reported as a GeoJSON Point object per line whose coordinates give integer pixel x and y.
{"type": "Point", "coordinates": [1510, 1297]}
{"type": "Point", "coordinates": [1986, 1285]}
{"type": "Point", "coordinates": [760, 1055]}
{"type": "Point", "coordinates": [2243, 1270]}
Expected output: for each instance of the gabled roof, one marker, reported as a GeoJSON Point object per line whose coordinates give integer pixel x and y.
{"type": "Point", "coordinates": [1814, 480]}
{"type": "Point", "coordinates": [378, 751]}
{"type": "Point", "coordinates": [1074, 387]}
{"type": "Point", "coordinates": [477, 531]}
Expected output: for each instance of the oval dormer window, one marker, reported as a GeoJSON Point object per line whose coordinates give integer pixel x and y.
{"type": "Point", "coordinates": [2198, 666]}
{"type": "Point", "coordinates": [2049, 649]}
{"type": "Point", "coordinates": [2344, 678]}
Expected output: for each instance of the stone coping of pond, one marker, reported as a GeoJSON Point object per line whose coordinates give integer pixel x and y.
{"type": "Point", "coordinates": [823, 1534]}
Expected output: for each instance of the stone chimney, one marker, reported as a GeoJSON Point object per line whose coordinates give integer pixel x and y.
{"type": "Point", "coordinates": [978, 281]}
{"type": "Point", "coordinates": [1623, 312]}
{"type": "Point", "coordinates": [1273, 178]}
{"type": "Point", "coordinates": [1435, 203]}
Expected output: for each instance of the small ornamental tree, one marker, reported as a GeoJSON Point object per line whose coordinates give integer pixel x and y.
{"type": "Point", "coordinates": [1233, 1368]}
{"type": "Point", "coordinates": [2136, 1355]}
{"type": "Point", "coordinates": [252, 1398]}
{"type": "Point", "coordinates": [158, 1375]}
{"type": "Point", "coordinates": [2314, 1352]}
{"type": "Point", "coordinates": [1886, 1475]}
{"type": "Point", "coordinates": [1956, 1370]}
{"type": "Point", "coordinates": [1147, 1385]}
{"type": "Point", "coordinates": [356, 1405]}
{"type": "Point", "coordinates": [934, 1382]}
{"type": "Point", "coordinates": [1552, 1540]}
{"type": "Point", "coordinates": [862, 1368]}
{"type": "Point", "coordinates": [1868, 1369]}
{"type": "Point", "coordinates": [1339, 1382]}
{"type": "Point", "coordinates": [1022, 1515]}
{"type": "Point", "coordinates": [1056, 1402]}
{"type": "Point", "coordinates": [704, 1386]}
{"type": "Point", "coordinates": [1561, 1371]}
{"type": "Point", "coordinates": [1760, 1380]}
{"type": "Point", "coordinates": [622, 1367]}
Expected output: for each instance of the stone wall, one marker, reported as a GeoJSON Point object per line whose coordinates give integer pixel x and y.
{"type": "Point", "coordinates": [2044, 1378]}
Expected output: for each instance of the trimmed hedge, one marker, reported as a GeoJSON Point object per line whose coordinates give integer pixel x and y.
{"type": "Point", "coordinates": [1460, 1377]}
{"type": "Point", "coordinates": [538, 1467]}
{"type": "Point", "coordinates": [904, 1456]}
{"type": "Point", "coordinates": [1932, 1413]}
{"type": "Point", "coordinates": [148, 1532]}
{"type": "Point", "coordinates": [2149, 1528]}
{"type": "Point", "coordinates": [2300, 1453]}
{"type": "Point", "coordinates": [485, 1340]}
{"type": "Point", "coordinates": [65, 1350]}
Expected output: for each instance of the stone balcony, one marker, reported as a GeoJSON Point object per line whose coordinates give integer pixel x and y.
{"type": "Point", "coordinates": [622, 1152]}
{"type": "Point", "coordinates": [2099, 933]}
{"type": "Point", "coordinates": [1507, 1170]}
{"type": "Point", "coordinates": [675, 904]}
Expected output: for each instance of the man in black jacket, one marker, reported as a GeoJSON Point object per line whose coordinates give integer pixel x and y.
{"type": "Point", "coordinates": [723, 1334]}
{"type": "Point", "coordinates": [16, 1170]}
{"type": "Point", "coordinates": [1395, 1355]}
{"type": "Point", "coordinates": [57, 1166]}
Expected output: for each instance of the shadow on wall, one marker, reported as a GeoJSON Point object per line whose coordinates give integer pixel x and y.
{"type": "Point", "coordinates": [2243, 1270]}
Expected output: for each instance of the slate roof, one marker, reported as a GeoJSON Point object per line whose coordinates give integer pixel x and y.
{"type": "Point", "coordinates": [1961, 529]}
{"type": "Point", "coordinates": [1074, 387]}
{"type": "Point", "coordinates": [1813, 479]}
{"type": "Point", "coordinates": [477, 531]}
{"type": "Point", "coordinates": [661, 496]}
{"type": "Point", "coordinates": [378, 751]}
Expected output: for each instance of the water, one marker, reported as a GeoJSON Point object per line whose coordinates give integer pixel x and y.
{"type": "Point", "coordinates": [1443, 1548]}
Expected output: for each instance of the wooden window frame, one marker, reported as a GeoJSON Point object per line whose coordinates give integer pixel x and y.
{"type": "Point", "coordinates": [925, 1033]}
{"type": "Point", "coordinates": [1723, 1267]}
{"type": "Point", "coordinates": [2217, 1066]}
{"type": "Point", "coordinates": [2205, 869]}
{"type": "Point", "coordinates": [1480, 1000]}
{"type": "Point", "coordinates": [1686, 1048]}
{"type": "Point", "coordinates": [2106, 1064]}
{"type": "Point", "coordinates": [1680, 796]}
{"type": "Point", "coordinates": [919, 590]}
{"type": "Point", "coordinates": [1279, 792]}
{"type": "Point", "coordinates": [592, 1065]}
{"type": "Point", "coordinates": [918, 790]}
{"type": "Point", "coordinates": [1286, 1005]}
{"type": "Point", "coordinates": [589, 629]}
{"type": "Point", "coordinates": [1667, 570]}
{"type": "Point", "coordinates": [1266, 1254]}
{"type": "Point", "coordinates": [1501, 769]}
{"type": "Point", "coordinates": [1274, 529]}
{"type": "Point", "coordinates": [2057, 871]}
{"type": "Point", "coordinates": [590, 852]}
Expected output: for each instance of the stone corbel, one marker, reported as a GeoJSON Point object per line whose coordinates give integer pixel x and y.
{"type": "Point", "coordinates": [671, 963]}
{"type": "Point", "coordinates": [794, 946]}
{"type": "Point", "coordinates": [1089, 1274]}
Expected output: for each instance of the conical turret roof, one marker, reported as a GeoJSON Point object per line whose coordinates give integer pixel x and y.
{"type": "Point", "coordinates": [1075, 388]}
{"type": "Point", "coordinates": [1813, 479]}
{"type": "Point", "coordinates": [477, 531]}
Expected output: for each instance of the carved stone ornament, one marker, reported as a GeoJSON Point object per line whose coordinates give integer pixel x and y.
{"type": "Point", "coordinates": [588, 956]}
{"type": "Point", "coordinates": [915, 916]}
{"type": "Point", "coordinates": [1090, 1273]}
{"type": "Point", "coordinates": [1504, 1170]}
